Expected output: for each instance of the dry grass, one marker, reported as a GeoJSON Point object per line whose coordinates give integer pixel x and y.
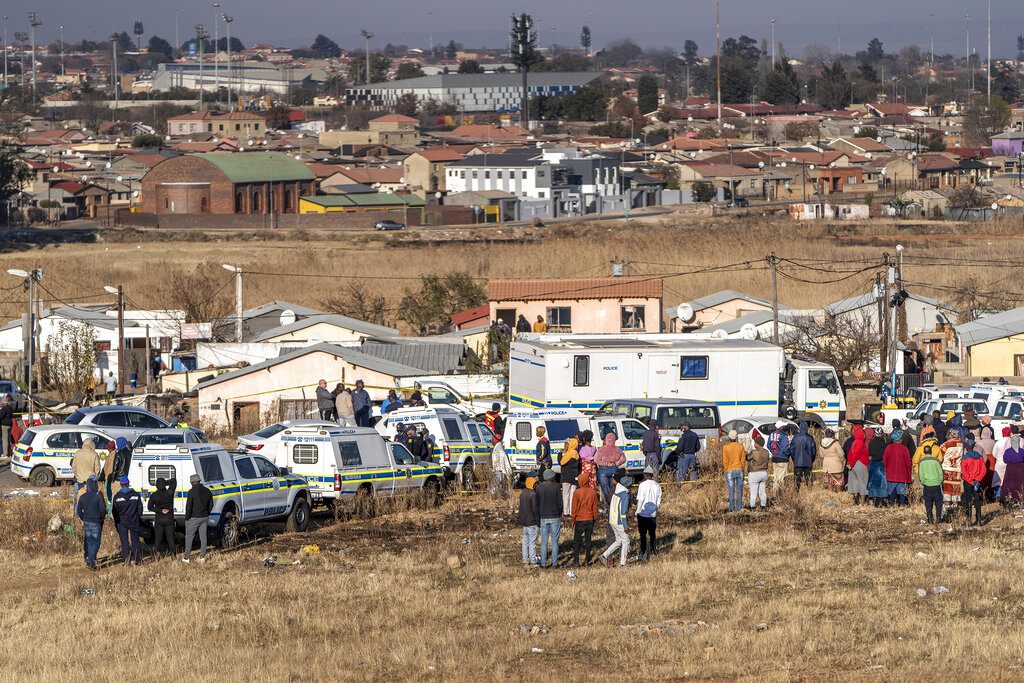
{"type": "Point", "coordinates": [663, 246]}
{"type": "Point", "coordinates": [833, 585]}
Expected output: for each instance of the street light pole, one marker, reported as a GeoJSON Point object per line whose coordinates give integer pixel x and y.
{"type": "Point", "coordinates": [121, 362]}
{"type": "Point", "coordinates": [227, 23]}
{"type": "Point", "coordinates": [718, 62]}
{"type": "Point", "coordinates": [216, 52]}
{"type": "Point", "coordinates": [238, 299]}
{"type": "Point", "coordinates": [773, 43]}
{"type": "Point", "coordinates": [33, 21]}
{"type": "Point", "coordinates": [367, 35]}
{"type": "Point", "coordinates": [5, 52]}
{"type": "Point", "coordinates": [63, 72]}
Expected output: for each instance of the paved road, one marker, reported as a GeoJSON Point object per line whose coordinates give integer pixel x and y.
{"type": "Point", "coordinates": [8, 480]}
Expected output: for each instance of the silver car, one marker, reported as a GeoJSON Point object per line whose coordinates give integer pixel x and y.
{"type": "Point", "coordinates": [127, 421]}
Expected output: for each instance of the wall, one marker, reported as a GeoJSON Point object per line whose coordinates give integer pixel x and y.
{"type": "Point", "coordinates": [290, 221]}
{"type": "Point", "coordinates": [321, 332]}
{"type": "Point", "coordinates": [994, 358]}
{"type": "Point", "coordinates": [730, 310]}
{"type": "Point", "coordinates": [589, 315]}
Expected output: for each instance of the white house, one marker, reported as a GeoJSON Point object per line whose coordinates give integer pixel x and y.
{"type": "Point", "coordinates": [536, 173]}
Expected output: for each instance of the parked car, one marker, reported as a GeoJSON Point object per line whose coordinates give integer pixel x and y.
{"type": "Point", "coordinates": [19, 399]}
{"type": "Point", "coordinates": [159, 437]}
{"type": "Point", "coordinates": [126, 421]}
{"type": "Point", "coordinates": [267, 441]}
{"type": "Point", "coordinates": [43, 454]}
{"type": "Point", "coordinates": [749, 427]}
{"type": "Point", "coordinates": [740, 203]}
{"type": "Point", "coordinates": [389, 225]}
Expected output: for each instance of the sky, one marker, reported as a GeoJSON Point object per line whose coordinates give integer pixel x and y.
{"type": "Point", "coordinates": [650, 23]}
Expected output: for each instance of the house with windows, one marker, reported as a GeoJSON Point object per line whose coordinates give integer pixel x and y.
{"type": "Point", "coordinates": [234, 124]}
{"type": "Point", "coordinates": [993, 345]}
{"type": "Point", "coordinates": [609, 305]}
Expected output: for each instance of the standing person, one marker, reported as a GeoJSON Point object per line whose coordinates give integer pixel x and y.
{"type": "Point", "coordinates": [618, 519]}
{"type": "Point", "coordinates": [779, 449]}
{"type": "Point", "coordinates": [111, 385]}
{"type": "Point", "coordinates": [587, 464]}
{"type": "Point", "coordinates": [926, 442]}
{"type": "Point", "coordinates": [198, 507]}
{"type": "Point", "coordinates": [549, 506]}
{"type": "Point", "coordinates": [986, 444]}
{"type": "Point", "coordinates": [529, 519]}
{"type": "Point", "coordinates": [91, 509]}
{"type": "Point", "coordinates": [757, 473]}
{"type": "Point", "coordinates": [115, 466]}
{"type": "Point", "coordinates": [324, 401]}
{"type": "Point", "coordinates": [686, 453]}
{"type": "Point", "coordinates": [970, 420]}
{"type": "Point", "coordinates": [608, 459]}
{"type": "Point", "coordinates": [343, 407]}
{"type": "Point", "coordinates": [522, 324]}
{"type": "Point", "coordinates": [929, 473]}
{"type": "Point", "coordinates": [648, 500]}
{"type": "Point", "coordinates": [542, 451]}
{"type": "Point", "coordinates": [999, 465]}
{"type": "Point", "coordinates": [569, 461]}
{"type": "Point", "coordinates": [361, 405]}
{"type": "Point", "coordinates": [6, 423]}
{"type": "Point", "coordinates": [84, 464]}
{"type": "Point", "coordinates": [857, 461]}
{"type": "Point", "coordinates": [905, 437]}
{"type": "Point", "coordinates": [127, 511]}
{"type": "Point", "coordinates": [804, 452]}
{"type": "Point", "coordinates": [582, 518]}
{"type": "Point", "coordinates": [391, 403]}
{"type": "Point", "coordinates": [972, 470]}
{"type": "Point", "coordinates": [496, 423]}
{"type": "Point", "coordinates": [161, 503]}
{"type": "Point", "coordinates": [179, 421]}
{"type": "Point", "coordinates": [927, 430]}
{"type": "Point", "coordinates": [952, 452]}
{"type": "Point", "coordinates": [1011, 489]}
{"type": "Point", "coordinates": [898, 469]}
{"type": "Point", "coordinates": [734, 460]}
{"type": "Point", "coordinates": [650, 445]}
{"type": "Point", "coordinates": [832, 462]}
{"type": "Point", "coordinates": [878, 487]}
{"type": "Point", "coordinates": [540, 326]}
{"type": "Point", "coordinates": [939, 427]}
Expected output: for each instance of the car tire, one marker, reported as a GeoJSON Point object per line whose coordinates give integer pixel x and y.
{"type": "Point", "coordinates": [467, 476]}
{"type": "Point", "coordinates": [229, 529]}
{"type": "Point", "coordinates": [298, 518]}
{"type": "Point", "coordinates": [42, 477]}
{"type": "Point", "coordinates": [432, 492]}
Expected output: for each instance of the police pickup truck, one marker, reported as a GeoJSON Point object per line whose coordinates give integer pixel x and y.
{"type": "Point", "coordinates": [351, 461]}
{"type": "Point", "coordinates": [246, 488]}
{"type": "Point", "coordinates": [460, 443]}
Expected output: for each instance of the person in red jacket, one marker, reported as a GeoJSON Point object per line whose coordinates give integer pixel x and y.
{"type": "Point", "coordinates": [972, 470]}
{"type": "Point", "coordinates": [898, 468]}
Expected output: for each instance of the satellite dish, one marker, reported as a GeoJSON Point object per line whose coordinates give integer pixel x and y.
{"type": "Point", "coordinates": [940, 319]}
{"type": "Point", "coordinates": [685, 313]}
{"type": "Point", "coordinates": [287, 317]}
{"type": "Point", "coordinates": [748, 331]}
{"type": "Point", "coordinates": [720, 334]}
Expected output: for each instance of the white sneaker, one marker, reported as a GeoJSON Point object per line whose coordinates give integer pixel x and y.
{"type": "Point", "coordinates": [185, 560]}
{"type": "Point", "coordinates": [202, 559]}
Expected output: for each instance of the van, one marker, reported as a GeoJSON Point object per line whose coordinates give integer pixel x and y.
{"type": "Point", "coordinates": [460, 443]}
{"type": "Point", "coordinates": [670, 414]}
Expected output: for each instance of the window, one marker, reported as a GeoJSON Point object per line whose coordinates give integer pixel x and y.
{"type": "Point", "coordinates": [305, 454]}
{"type": "Point", "coordinates": [633, 430]}
{"type": "Point", "coordinates": [559, 319]}
{"type": "Point", "coordinates": [102, 346]}
{"type": "Point", "coordinates": [452, 429]}
{"type": "Point", "coordinates": [499, 175]}
{"type": "Point", "coordinates": [113, 418]}
{"type": "Point", "coordinates": [753, 183]}
{"type": "Point", "coordinates": [698, 417]}
{"type": "Point", "coordinates": [287, 200]}
{"type": "Point", "coordinates": [238, 126]}
{"type": "Point", "coordinates": [159, 439]}
{"type": "Point", "coordinates": [823, 379]}
{"type": "Point", "coordinates": [266, 468]}
{"type": "Point", "coordinates": [74, 418]}
{"type": "Point", "coordinates": [560, 430]}
{"type": "Point", "coordinates": [63, 441]}
{"type": "Point", "coordinates": [270, 431]}
{"type": "Point", "coordinates": [402, 455]}
{"type": "Point", "coordinates": [524, 431]}
{"type": "Point", "coordinates": [739, 426]}
{"type": "Point", "coordinates": [693, 367]}
{"type": "Point", "coordinates": [640, 412]}
{"type": "Point", "coordinates": [487, 175]}
{"type": "Point", "coordinates": [349, 452]}
{"type": "Point", "coordinates": [462, 174]}
{"type": "Point", "coordinates": [523, 176]}
{"type": "Point", "coordinates": [632, 317]}
{"type": "Point", "coordinates": [474, 433]}
{"type": "Point", "coordinates": [239, 203]}
{"type": "Point", "coordinates": [161, 472]}
{"type": "Point", "coordinates": [210, 465]}
{"type": "Point", "coordinates": [581, 371]}
{"type": "Point", "coordinates": [245, 468]}
{"type": "Point", "coordinates": [607, 428]}
{"type": "Point", "coordinates": [474, 174]}
{"type": "Point", "coordinates": [441, 396]}
{"type": "Point", "coordinates": [255, 201]}
{"type": "Point", "coordinates": [204, 205]}
{"type": "Point", "coordinates": [144, 421]}
{"type": "Point", "coordinates": [542, 194]}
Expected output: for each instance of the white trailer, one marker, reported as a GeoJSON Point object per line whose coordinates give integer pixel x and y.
{"type": "Point", "coordinates": [743, 377]}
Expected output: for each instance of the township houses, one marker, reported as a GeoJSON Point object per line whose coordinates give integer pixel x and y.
{"type": "Point", "coordinates": [424, 170]}
{"type": "Point", "coordinates": [717, 308]}
{"type": "Point", "coordinates": [234, 124]}
{"type": "Point", "coordinates": [580, 305]}
{"type": "Point", "coordinates": [993, 346]}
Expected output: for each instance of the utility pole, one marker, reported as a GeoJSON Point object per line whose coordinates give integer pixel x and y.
{"type": "Point", "coordinates": [773, 43]}
{"type": "Point", "coordinates": [880, 301]}
{"type": "Point", "coordinates": [238, 299]}
{"type": "Point", "coordinates": [120, 341]}
{"type": "Point", "coordinates": [5, 52]}
{"type": "Point", "coordinates": [33, 21]}
{"type": "Point", "coordinates": [988, 63]}
{"type": "Point", "coordinates": [883, 321]}
{"type": "Point", "coordinates": [62, 70]}
{"type": "Point", "coordinates": [901, 328]}
{"type": "Point", "coordinates": [216, 52]}
{"type": "Point", "coordinates": [718, 62]}
{"type": "Point", "coordinates": [149, 360]}
{"type": "Point", "coordinates": [227, 24]}
{"type": "Point", "coordinates": [773, 262]}
{"type": "Point", "coordinates": [113, 48]}
{"type": "Point", "coordinates": [201, 36]}
{"type": "Point", "coordinates": [522, 39]}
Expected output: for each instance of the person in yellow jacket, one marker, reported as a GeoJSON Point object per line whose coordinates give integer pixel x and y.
{"type": "Point", "coordinates": [734, 461]}
{"type": "Point", "coordinates": [84, 464]}
{"type": "Point", "coordinates": [919, 452]}
{"type": "Point", "coordinates": [569, 461]}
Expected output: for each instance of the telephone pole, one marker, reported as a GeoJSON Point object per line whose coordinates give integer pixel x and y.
{"type": "Point", "coordinates": [883, 320]}
{"type": "Point", "coordinates": [33, 21]}
{"type": "Point", "coordinates": [774, 262]}
{"type": "Point", "coordinates": [880, 301]}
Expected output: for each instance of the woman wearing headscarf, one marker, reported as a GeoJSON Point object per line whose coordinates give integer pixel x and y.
{"type": "Point", "coordinates": [832, 462]}
{"type": "Point", "coordinates": [587, 464]}
{"type": "Point", "coordinates": [972, 470]}
{"type": "Point", "coordinates": [898, 469]}
{"type": "Point", "coordinates": [569, 461]}
{"type": "Point", "coordinates": [985, 444]}
{"type": "Point", "coordinates": [1012, 488]}
{"type": "Point", "coordinates": [952, 452]}
{"type": "Point", "coordinates": [999, 465]}
{"type": "Point", "coordinates": [878, 487]}
{"type": "Point", "coordinates": [609, 458]}
{"type": "Point", "coordinates": [857, 461]}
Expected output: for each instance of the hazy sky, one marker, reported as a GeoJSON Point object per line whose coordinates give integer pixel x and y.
{"type": "Point", "coordinates": [475, 23]}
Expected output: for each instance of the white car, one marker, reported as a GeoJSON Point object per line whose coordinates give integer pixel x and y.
{"type": "Point", "coordinates": [749, 427]}
{"type": "Point", "coordinates": [171, 435]}
{"type": "Point", "coordinates": [267, 441]}
{"type": "Point", "coordinates": [43, 455]}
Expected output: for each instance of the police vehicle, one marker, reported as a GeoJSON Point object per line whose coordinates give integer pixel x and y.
{"type": "Point", "coordinates": [267, 441]}
{"type": "Point", "coordinates": [460, 443]}
{"type": "Point", "coordinates": [43, 454]}
{"type": "Point", "coordinates": [246, 488]}
{"type": "Point", "coordinates": [349, 461]}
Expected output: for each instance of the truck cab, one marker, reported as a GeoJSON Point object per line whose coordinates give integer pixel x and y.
{"type": "Point", "coordinates": [811, 391]}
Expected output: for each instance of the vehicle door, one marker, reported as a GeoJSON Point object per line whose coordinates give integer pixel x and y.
{"type": "Point", "coordinates": [459, 446]}
{"type": "Point", "coordinates": [405, 467]}
{"type": "Point", "coordinates": [58, 451]}
{"type": "Point", "coordinates": [521, 448]}
{"type": "Point", "coordinates": [253, 497]}
{"type": "Point", "coordinates": [304, 460]}
{"type": "Point", "coordinates": [481, 448]}
{"type": "Point", "coordinates": [631, 434]}
{"type": "Point", "coordinates": [276, 490]}
{"type": "Point", "coordinates": [822, 395]}
{"type": "Point", "coordinates": [349, 466]}
{"type": "Point", "coordinates": [212, 469]}
{"type": "Point", "coordinates": [140, 422]}
{"type": "Point", "coordinates": [116, 423]}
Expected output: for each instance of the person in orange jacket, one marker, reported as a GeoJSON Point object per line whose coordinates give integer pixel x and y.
{"type": "Point", "coordinates": [972, 469]}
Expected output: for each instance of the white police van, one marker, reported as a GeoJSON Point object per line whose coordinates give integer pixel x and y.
{"type": "Point", "coordinates": [43, 454]}
{"type": "Point", "coordinates": [246, 488]}
{"type": "Point", "coordinates": [349, 461]}
{"type": "Point", "coordinates": [460, 443]}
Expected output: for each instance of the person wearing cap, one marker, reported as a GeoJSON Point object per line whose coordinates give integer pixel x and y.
{"type": "Point", "coordinates": [549, 506]}
{"type": "Point", "coordinates": [127, 511]}
{"type": "Point", "coordinates": [618, 519]}
{"type": "Point", "coordinates": [179, 421]}
{"type": "Point", "coordinates": [361, 405]}
{"type": "Point", "coordinates": [650, 446]}
{"type": "Point", "coordinates": [404, 434]}
{"type": "Point", "coordinates": [161, 504]}
{"type": "Point", "coordinates": [648, 500]}
{"type": "Point", "coordinates": [779, 449]}
{"type": "Point", "coordinates": [582, 517]}
{"type": "Point", "coordinates": [970, 419]}
{"type": "Point", "coordinates": [91, 509]}
{"type": "Point", "coordinates": [757, 473]}
{"type": "Point", "coordinates": [392, 402]}
{"type": "Point", "coordinates": [529, 518]}
{"type": "Point", "coordinates": [734, 460]}
{"type": "Point", "coordinates": [495, 422]}
{"type": "Point", "coordinates": [939, 426]}
{"type": "Point", "coordinates": [686, 453]}
{"type": "Point", "coordinates": [198, 507]}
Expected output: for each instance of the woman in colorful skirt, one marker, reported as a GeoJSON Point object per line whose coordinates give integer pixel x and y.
{"type": "Point", "coordinates": [952, 452]}
{"type": "Point", "coordinates": [587, 452]}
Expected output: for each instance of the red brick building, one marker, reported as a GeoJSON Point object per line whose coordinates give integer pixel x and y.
{"type": "Point", "coordinates": [227, 183]}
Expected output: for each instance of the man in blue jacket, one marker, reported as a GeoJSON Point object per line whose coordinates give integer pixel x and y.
{"type": "Point", "coordinates": [804, 451]}
{"type": "Point", "coordinates": [127, 509]}
{"type": "Point", "coordinates": [91, 509]}
{"type": "Point", "coordinates": [686, 453]}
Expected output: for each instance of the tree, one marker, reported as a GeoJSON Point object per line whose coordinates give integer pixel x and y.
{"type": "Point", "coordinates": [159, 46]}
{"type": "Point", "coordinates": [703, 191]}
{"type": "Point", "coordinates": [690, 53]}
{"type": "Point", "coordinates": [470, 66]}
{"type": "Point", "coordinates": [744, 49]}
{"type": "Point", "coordinates": [71, 359]}
{"type": "Point", "coordinates": [984, 118]}
{"type": "Point", "coordinates": [361, 301]}
{"type": "Point", "coordinates": [782, 86]}
{"type": "Point", "coordinates": [801, 130]}
{"type": "Point", "coordinates": [585, 39]}
{"type": "Point", "coordinates": [324, 47]}
{"type": "Point", "coordinates": [846, 342]}
{"type": "Point", "coordinates": [875, 52]}
{"type": "Point", "coordinates": [647, 94]}
{"type": "Point", "coordinates": [452, 50]}
{"type": "Point", "coordinates": [972, 299]}
{"type": "Point", "coordinates": [408, 70]}
{"type": "Point", "coordinates": [566, 61]}
{"type": "Point", "coordinates": [125, 42]}
{"type": "Point", "coordinates": [737, 80]}
{"type": "Point", "coordinates": [15, 174]}
{"type": "Point", "coordinates": [429, 308]}
{"type": "Point", "coordinates": [236, 45]}
{"type": "Point", "coordinates": [866, 132]}
{"type": "Point", "coordinates": [379, 65]}
{"type": "Point", "coordinates": [1005, 82]}
{"type": "Point", "coordinates": [868, 72]}
{"type": "Point", "coordinates": [408, 104]}
{"type": "Point", "coordinates": [621, 53]}
{"type": "Point", "coordinates": [935, 142]}
{"type": "Point", "coordinates": [834, 90]}
{"type": "Point", "coordinates": [147, 140]}
{"type": "Point", "coordinates": [202, 295]}
{"type": "Point", "coordinates": [586, 104]}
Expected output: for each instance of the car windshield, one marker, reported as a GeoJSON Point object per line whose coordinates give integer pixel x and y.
{"type": "Point", "coordinates": [270, 431]}
{"type": "Point", "coordinates": [699, 417]}
{"type": "Point", "coordinates": [160, 439]}
{"type": "Point", "coordinates": [74, 418]}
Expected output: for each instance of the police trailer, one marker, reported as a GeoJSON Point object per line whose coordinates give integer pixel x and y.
{"type": "Point", "coordinates": [742, 377]}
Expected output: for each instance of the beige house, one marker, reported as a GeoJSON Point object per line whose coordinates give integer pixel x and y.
{"type": "Point", "coordinates": [285, 387]}
{"type": "Point", "coordinates": [717, 308]}
{"type": "Point", "coordinates": [235, 124]}
{"type": "Point", "coordinates": [424, 170]}
{"type": "Point", "coordinates": [580, 305]}
{"type": "Point", "coordinates": [393, 130]}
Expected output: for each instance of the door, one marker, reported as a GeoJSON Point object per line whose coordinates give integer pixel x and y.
{"type": "Point", "coordinates": [480, 448]}
{"type": "Point", "coordinates": [405, 465]}
{"type": "Point", "coordinates": [1018, 364]}
{"type": "Point", "coordinates": [822, 396]}
{"type": "Point", "coordinates": [275, 489]}
{"type": "Point", "coordinates": [140, 422]}
{"type": "Point", "coordinates": [246, 417]}
{"type": "Point", "coordinates": [253, 498]}
{"type": "Point", "coordinates": [630, 435]}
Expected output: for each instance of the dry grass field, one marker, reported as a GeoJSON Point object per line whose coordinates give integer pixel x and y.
{"type": "Point", "coordinates": [815, 589]}
{"type": "Point", "coordinates": [671, 246]}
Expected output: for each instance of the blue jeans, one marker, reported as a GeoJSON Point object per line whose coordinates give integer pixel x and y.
{"type": "Point", "coordinates": [734, 480]}
{"type": "Point", "coordinates": [530, 544]}
{"type": "Point", "coordinates": [653, 461]}
{"type": "Point", "coordinates": [685, 465]}
{"type": "Point", "coordinates": [93, 534]}
{"type": "Point", "coordinates": [549, 526]}
{"type": "Point", "coordinates": [604, 479]}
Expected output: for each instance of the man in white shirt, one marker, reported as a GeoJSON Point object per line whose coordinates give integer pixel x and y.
{"type": "Point", "coordinates": [111, 384]}
{"type": "Point", "coordinates": [648, 500]}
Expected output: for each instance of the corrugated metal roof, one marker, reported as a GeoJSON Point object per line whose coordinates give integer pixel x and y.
{"type": "Point", "coordinates": [575, 289]}
{"type": "Point", "coordinates": [726, 295]}
{"type": "Point", "coordinates": [492, 80]}
{"type": "Point", "coordinates": [338, 320]}
{"type": "Point", "coordinates": [429, 356]}
{"type": "Point", "coordinates": [258, 167]}
{"type": "Point", "coordinates": [991, 327]}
